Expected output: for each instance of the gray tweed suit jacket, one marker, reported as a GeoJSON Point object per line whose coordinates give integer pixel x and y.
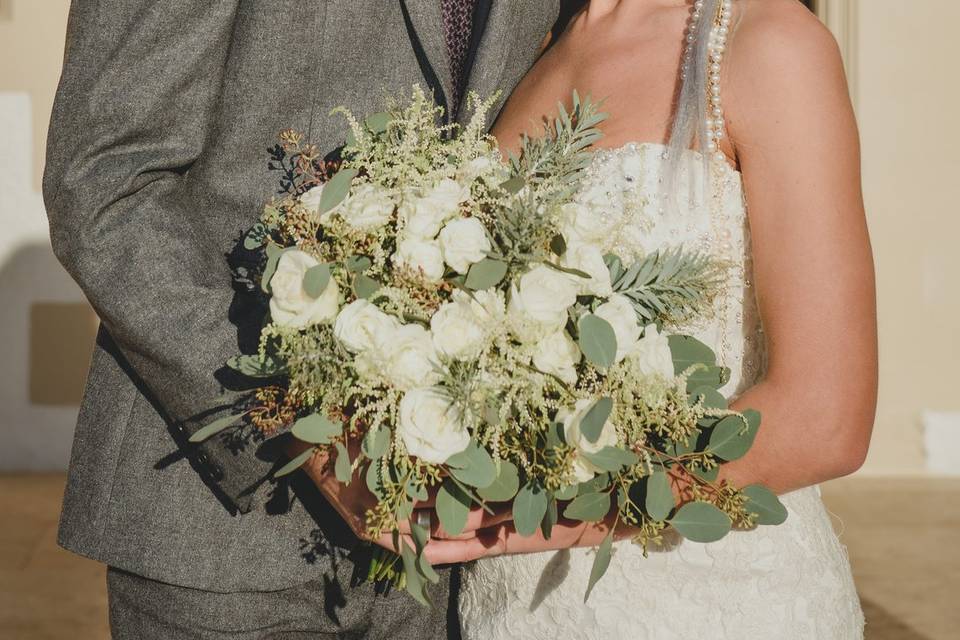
{"type": "Point", "coordinates": [156, 164]}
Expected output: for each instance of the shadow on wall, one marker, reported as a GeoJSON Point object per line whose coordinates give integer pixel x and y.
{"type": "Point", "coordinates": [48, 330]}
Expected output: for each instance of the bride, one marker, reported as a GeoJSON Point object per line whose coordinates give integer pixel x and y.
{"type": "Point", "coordinates": [732, 121]}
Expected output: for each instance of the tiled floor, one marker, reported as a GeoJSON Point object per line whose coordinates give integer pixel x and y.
{"type": "Point", "coordinates": [903, 536]}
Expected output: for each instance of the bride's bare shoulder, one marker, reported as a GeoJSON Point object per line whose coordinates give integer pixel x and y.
{"type": "Point", "coordinates": [783, 62]}
{"type": "Point", "coordinates": [771, 33]}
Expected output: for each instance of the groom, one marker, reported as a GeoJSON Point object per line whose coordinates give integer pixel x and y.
{"type": "Point", "coordinates": [156, 164]}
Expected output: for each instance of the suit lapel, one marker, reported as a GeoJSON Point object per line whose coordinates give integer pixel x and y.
{"type": "Point", "coordinates": [424, 20]}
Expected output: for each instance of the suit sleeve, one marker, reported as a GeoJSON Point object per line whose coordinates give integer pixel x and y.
{"type": "Point", "coordinates": [140, 84]}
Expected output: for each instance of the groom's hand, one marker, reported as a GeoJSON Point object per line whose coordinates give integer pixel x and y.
{"type": "Point", "coordinates": [352, 502]}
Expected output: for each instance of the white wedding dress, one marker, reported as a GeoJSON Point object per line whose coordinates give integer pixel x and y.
{"type": "Point", "coordinates": [788, 582]}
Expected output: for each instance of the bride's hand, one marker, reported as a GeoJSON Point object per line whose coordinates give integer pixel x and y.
{"type": "Point", "coordinates": [503, 539]}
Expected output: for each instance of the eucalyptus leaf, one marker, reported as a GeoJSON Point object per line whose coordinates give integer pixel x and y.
{"type": "Point", "coordinates": [714, 377]}
{"type": "Point", "coordinates": [701, 522]}
{"type": "Point", "coordinates": [762, 501]}
{"type": "Point", "coordinates": [473, 466]}
{"type": "Point", "coordinates": [254, 367]}
{"type": "Point", "coordinates": [378, 122]}
{"type": "Point", "coordinates": [659, 501]}
{"type": "Point", "coordinates": [597, 340]}
{"type": "Point", "coordinates": [550, 518]}
{"type": "Point", "coordinates": [505, 486]}
{"type": "Point", "coordinates": [529, 507]}
{"type": "Point", "coordinates": [215, 427]}
{"type": "Point", "coordinates": [255, 237]}
{"type": "Point", "coordinates": [416, 585]}
{"type": "Point", "coordinates": [688, 351]}
{"type": "Point", "coordinates": [513, 185]}
{"type": "Point", "coordinates": [453, 506]}
{"type": "Point", "coordinates": [365, 286]}
{"type": "Point", "coordinates": [566, 493]}
{"type": "Point", "coordinates": [731, 438]}
{"type": "Point", "coordinates": [485, 274]}
{"type": "Point", "coordinates": [589, 507]}
{"type": "Point", "coordinates": [336, 190]}
{"type": "Point", "coordinates": [273, 257]}
{"type": "Point", "coordinates": [426, 569]}
{"type": "Point", "coordinates": [374, 482]}
{"type": "Point", "coordinates": [711, 397]}
{"type": "Point", "coordinates": [591, 426]}
{"type": "Point", "coordinates": [358, 264]}
{"type": "Point", "coordinates": [316, 429]}
{"type": "Point", "coordinates": [296, 463]}
{"type": "Point", "coordinates": [316, 279]}
{"type": "Point", "coordinates": [558, 245]}
{"type": "Point", "coordinates": [342, 467]}
{"type": "Point", "coordinates": [601, 562]}
{"type": "Point", "coordinates": [611, 458]}
{"type": "Point", "coordinates": [376, 443]}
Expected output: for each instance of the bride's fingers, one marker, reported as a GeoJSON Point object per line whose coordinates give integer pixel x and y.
{"type": "Point", "coordinates": [477, 519]}
{"type": "Point", "coordinates": [386, 541]}
{"type": "Point", "coordinates": [487, 542]}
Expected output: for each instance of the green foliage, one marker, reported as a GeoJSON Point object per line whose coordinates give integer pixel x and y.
{"type": "Point", "coordinates": [316, 429]}
{"type": "Point", "coordinates": [215, 427]}
{"type": "Point", "coordinates": [453, 506]}
{"type": "Point", "coordinates": [670, 287]}
{"type": "Point", "coordinates": [473, 467]}
{"type": "Point", "coordinates": [316, 279]}
{"type": "Point", "coordinates": [701, 522]}
{"type": "Point", "coordinates": [597, 340]}
{"type": "Point", "coordinates": [296, 463]}
{"type": "Point", "coordinates": [485, 274]}
{"type": "Point", "coordinates": [659, 497]}
{"type": "Point", "coordinates": [601, 562]}
{"type": "Point", "coordinates": [336, 189]}
{"type": "Point", "coordinates": [505, 485]}
{"type": "Point", "coordinates": [764, 505]}
{"type": "Point", "coordinates": [529, 507]}
{"type": "Point", "coordinates": [591, 426]}
{"type": "Point", "coordinates": [589, 507]}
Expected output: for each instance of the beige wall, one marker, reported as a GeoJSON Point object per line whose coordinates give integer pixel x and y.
{"type": "Point", "coordinates": [902, 57]}
{"type": "Point", "coordinates": [31, 51]}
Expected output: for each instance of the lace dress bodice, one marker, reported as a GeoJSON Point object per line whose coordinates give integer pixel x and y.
{"type": "Point", "coordinates": [789, 582]}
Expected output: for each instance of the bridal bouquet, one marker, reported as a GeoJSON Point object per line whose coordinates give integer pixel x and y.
{"type": "Point", "coordinates": [444, 321]}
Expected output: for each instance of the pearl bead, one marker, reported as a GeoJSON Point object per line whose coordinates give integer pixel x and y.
{"type": "Point", "coordinates": [712, 146]}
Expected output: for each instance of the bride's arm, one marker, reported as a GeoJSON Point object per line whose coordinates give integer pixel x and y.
{"type": "Point", "coordinates": [795, 137]}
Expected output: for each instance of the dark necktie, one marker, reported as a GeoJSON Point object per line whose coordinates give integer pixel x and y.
{"type": "Point", "coordinates": [457, 31]}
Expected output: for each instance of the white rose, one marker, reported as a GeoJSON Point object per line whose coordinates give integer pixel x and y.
{"type": "Point", "coordinates": [362, 326]}
{"type": "Point", "coordinates": [290, 304]}
{"type": "Point", "coordinates": [463, 242]}
{"type": "Point", "coordinates": [583, 469]}
{"type": "Point", "coordinates": [589, 259]}
{"type": "Point", "coordinates": [619, 312]}
{"type": "Point", "coordinates": [653, 354]}
{"type": "Point", "coordinates": [410, 359]}
{"type": "Point", "coordinates": [558, 354]}
{"type": "Point", "coordinates": [423, 216]}
{"type": "Point", "coordinates": [369, 207]}
{"type": "Point", "coordinates": [579, 223]}
{"type": "Point", "coordinates": [422, 256]}
{"type": "Point", "coordinates": [459, 332]}
{"type": "Point", "coordinates": [431, 426]}
{"type": "Point", "coordinates": [538, 306]}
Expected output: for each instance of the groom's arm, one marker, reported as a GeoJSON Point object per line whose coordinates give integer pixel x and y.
{"type": "Point", "coordinates": [141, 80]}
